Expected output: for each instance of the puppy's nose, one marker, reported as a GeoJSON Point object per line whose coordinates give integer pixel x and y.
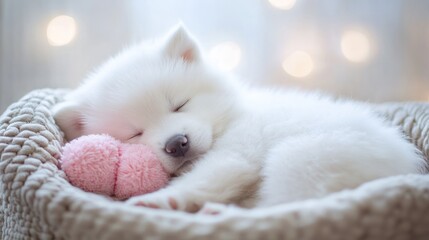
{"type": "Point", "coordinates": [177, 145]}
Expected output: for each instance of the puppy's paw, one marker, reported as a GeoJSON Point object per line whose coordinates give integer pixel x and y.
{"type": "Point", "coordinates": [165, 199]}
{"type": "Point", "coordinates": [162, 199]}
{"type": "Point", "coordinates": [213, 209]}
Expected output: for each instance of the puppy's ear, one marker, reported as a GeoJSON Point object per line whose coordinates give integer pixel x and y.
{"type": "Point", "coordinates": [180, 44]}
{"type": "Point", "coordinates": [69, 118]}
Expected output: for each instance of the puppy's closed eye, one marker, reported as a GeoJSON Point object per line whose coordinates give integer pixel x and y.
{"type": "Point", "coordinates": [177, 109]}
{"type": "Point", "coordinates": [136, 135]}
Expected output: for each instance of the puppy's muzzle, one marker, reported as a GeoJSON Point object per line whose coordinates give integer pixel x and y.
{"type": "Point", "coordinates": [177, 145]}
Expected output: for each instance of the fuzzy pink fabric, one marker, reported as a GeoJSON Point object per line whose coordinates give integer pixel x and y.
{"type": "Point", "coordinates": [101, 164]}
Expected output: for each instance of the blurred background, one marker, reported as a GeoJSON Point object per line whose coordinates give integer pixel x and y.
{"type": "Point", "coordinates": [362, 49]}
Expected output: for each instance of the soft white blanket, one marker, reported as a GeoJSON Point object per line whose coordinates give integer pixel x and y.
{"type": "Point", "coordinates": [39, 203]}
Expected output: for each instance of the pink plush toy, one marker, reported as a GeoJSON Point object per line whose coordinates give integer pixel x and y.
{"type": "Point", "coordinates": [101, 164]}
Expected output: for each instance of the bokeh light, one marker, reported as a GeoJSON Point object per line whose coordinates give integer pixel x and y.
{"type": "Point", "coordinates": [355, 46]}
{"type": "Point", "coordinates": [299, 64]}
{"type": "Point", "coordinates": [226, 55]}
{"type": "Point", "coordinates": [61, 30]}
{"type": "Point", "coordinates": [283, 4]}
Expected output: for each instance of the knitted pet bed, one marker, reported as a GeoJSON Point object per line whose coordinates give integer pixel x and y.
{"type": "Point", "coordinates": [39, 203]}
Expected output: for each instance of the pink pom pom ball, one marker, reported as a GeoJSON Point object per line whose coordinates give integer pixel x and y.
{"type": "Point", "coordinates": [101, 164]}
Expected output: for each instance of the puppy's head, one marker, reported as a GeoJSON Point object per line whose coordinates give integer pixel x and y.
{"type": "Point", "coordinates": [161, 94]}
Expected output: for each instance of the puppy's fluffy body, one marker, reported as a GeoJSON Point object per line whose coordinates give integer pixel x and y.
{"type": "Point", "coordinates": [250, 147]}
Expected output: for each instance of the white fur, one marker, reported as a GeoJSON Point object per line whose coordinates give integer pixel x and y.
{"type": "Point", "coordinates": [251, 147]}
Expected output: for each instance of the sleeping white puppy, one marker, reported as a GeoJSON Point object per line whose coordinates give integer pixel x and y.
{"type": "Point", "coordinates": [228, 143]}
